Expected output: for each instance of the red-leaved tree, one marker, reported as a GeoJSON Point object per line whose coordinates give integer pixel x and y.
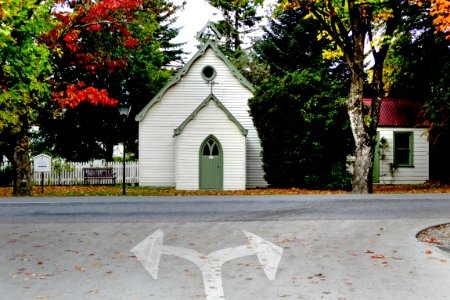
{"type": "Point", "coordinates": [76, 51]}
{"type": "Point", "coordinates": [94, 38]}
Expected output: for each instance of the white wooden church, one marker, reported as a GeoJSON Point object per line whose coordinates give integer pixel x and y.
{"type": "Point", "coordinates": [197, 133]}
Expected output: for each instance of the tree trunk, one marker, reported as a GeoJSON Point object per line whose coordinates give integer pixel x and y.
{"type": "Point", "coordinates": [23, 182]}
{"type": "Point", "coordinates": [109, 151]}
{"type": "Point", "coordinates": [235, 35]}
{"type": "Point", "coordinates": [363, 167]}
{"type": "Point", "coordinates": [358, 114]}
{"type": "Point", "coordinates": [364, 150]}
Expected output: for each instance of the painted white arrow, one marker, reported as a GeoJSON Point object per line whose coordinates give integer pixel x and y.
{"type": "Point", "coordinates": [149, 251]}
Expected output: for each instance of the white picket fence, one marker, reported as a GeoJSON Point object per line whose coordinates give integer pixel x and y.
{"type": "Point", "coordinates": [71, 173]}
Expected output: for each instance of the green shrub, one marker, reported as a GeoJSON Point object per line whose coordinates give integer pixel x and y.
{"type": "Point", "coordinates": [6, 176]}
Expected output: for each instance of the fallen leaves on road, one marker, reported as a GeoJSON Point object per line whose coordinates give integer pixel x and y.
{"type": "Point", "coordinates": [433, 240]}
{"type": "Point", "coordinates": [79, 268]}
{"type": "Point", "coordinates": [96, 265]}
{"type": "Point", "coordinates": [437, 236]}
{"type": "Point", "coordinates": [384, 263]}
{"type": "Point", "coordinates": [379, 256]}
{"type": "Point", "coordinates": [286, 240]}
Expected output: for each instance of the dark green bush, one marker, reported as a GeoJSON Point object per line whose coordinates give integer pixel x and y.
{"type": "Point", "coordinates": [6, 176]}
{"type": "Point", "coordinates": [304, 130]}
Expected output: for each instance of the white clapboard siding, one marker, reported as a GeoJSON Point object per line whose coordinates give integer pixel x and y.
{"type": "Point", "coordinates": [211, 120]}
{"type": "Point", "coordinates": [407, 175]}
{"type": "Point", "coordinates": [156, 129]}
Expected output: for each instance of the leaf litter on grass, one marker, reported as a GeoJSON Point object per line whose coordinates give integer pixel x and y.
{"type": "Point", "coordinates": [80, 190]}
{"type": "Point", "coordinates": [438, 236]}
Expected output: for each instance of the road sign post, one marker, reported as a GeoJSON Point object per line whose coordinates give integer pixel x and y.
{"type": "Point", "coordinates": [42, 163]}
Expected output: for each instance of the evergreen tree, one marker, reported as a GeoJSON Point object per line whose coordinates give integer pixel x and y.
{"type": "Point", "coordinates": [240, 19]}
{"type": "Point", "coordinates": [304, 131]}
{"type": "Point", "coordinates": [299, 111]}
{"type": "Point", "coordinates": [289, 43]}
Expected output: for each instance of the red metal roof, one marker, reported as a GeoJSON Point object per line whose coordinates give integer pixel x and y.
{"type": "Point", "coordinates": [398, 112]}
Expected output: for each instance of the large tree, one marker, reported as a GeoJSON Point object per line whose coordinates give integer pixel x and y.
{"type": "Point", "coordinates": [355, 30]}
{"type": "Point", "coordinates": [418, 58]}
{"type": "Point", "coordinates": [132, 72]}
{"type": "Point", "coordinates": [34, 33]}
{"type": "Point", "coordinates": [25, 66]}
{"type": "Point", "coordinates": [300, 117]}
{"type": "Point", "coordinates": [299, 109]}
{"type": "Point", "coordinates": [240, 17]}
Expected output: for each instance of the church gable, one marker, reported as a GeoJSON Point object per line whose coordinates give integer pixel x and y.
{"type": "Point", "coordinates": [208, 48]}
{"type": "Point", "coordinates": [210, 98]}
{"type": "Point", "coordinates": [211, 122]}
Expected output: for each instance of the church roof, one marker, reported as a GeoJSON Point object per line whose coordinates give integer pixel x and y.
{"type": "Point", "coordinates": [205, 102]}
{"type": "Point", "coordinates": [177, 77]}
{"type": "Point", "coordinates": [208, 31]}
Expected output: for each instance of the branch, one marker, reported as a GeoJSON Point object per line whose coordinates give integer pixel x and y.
{"type": "Point", "coordinates": [68, 28]}
{"type": "Point", "coordinates": [84, 25]}
{"type": "Point", "coordinates": [391, 26]}
{"type": "Point", "coordinates": [341, 38]}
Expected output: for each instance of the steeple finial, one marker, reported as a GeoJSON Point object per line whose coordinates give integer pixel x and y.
{"type": "Point", "coordinates": [209, 32]}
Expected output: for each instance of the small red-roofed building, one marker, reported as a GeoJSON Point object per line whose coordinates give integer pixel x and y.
{"type": "Point", "coordinates": [402, 150]}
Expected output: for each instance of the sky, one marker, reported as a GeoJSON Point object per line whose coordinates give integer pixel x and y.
{"type": "Point", "coordinates": [192, 19]}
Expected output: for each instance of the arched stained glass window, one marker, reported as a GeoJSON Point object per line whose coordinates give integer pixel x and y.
{"type": "Point", "coordinates": [211, 148]}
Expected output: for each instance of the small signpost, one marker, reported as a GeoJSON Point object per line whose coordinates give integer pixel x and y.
{"type": "Point", "coordinates": [42, 163]}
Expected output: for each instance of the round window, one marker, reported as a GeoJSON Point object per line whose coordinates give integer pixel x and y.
{"type": "Point", "coordinates": [208, 73]}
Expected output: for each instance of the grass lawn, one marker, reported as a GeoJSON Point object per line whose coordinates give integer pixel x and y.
{"type": "Point", "coordinates": [77, 190]}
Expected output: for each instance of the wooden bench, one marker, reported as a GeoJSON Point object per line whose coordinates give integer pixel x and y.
{"type": "Point", "coordinates": [99, 175]}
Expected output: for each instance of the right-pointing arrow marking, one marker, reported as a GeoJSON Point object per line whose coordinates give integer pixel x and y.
{"type": "Point", "coordinates": [269, 255]}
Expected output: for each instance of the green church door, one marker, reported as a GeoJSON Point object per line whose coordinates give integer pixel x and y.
{"type": "Point", "coordinates": [211, 165]}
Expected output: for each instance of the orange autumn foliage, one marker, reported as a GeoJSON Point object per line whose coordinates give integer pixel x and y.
{"type": "Point", "coordinates": [77, 93]}
{"type": "Point", "coordinates": [108, 21]}
{"type": "Point", "coordinates": [440, 11]}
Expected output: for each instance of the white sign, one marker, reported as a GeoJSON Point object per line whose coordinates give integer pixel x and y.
{"type": "Point", "coordinates": [42, 163]}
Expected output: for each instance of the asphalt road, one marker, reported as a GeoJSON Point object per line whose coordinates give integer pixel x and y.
{"type": "Point", "coordinates": [215, 248]}
{"type": "Point", "coordinates": [223, 209]}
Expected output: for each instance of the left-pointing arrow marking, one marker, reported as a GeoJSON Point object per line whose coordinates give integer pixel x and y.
{"type": "Point", "coordinates": [148, 252]}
